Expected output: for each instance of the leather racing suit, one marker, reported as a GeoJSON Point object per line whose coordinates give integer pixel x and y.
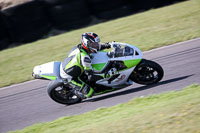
{"type": "Point", "coordinates": [77, 61]}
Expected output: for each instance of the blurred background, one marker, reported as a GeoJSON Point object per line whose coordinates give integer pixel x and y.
{"type": "Point", "coordinates": [24, 21]}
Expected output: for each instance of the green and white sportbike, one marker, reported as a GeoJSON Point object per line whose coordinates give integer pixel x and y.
{"type": "Point", "coordinates": [115, 69]}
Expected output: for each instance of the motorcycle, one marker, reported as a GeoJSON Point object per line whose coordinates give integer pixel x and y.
{"type": "Point", "coordinates": [115, 69]}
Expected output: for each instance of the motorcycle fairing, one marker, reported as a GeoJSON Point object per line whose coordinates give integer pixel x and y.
{"type": "Point", "coordinates": [117, 81]}
{"type": "Point", "coordinates": [50, 70]}
{"type": "Point", "coordinates": [126, 53]}
{"type": "Point", "coordinates": [99, 61]}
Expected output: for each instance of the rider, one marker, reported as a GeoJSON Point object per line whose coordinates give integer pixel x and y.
{"type": "Point", "coordinates": [78, 61]}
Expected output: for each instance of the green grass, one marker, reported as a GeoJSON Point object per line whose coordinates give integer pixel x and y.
{"type": "Point", "coordinates": [171, 112]}
{"type": "Point", "coordinates": [148, 30]}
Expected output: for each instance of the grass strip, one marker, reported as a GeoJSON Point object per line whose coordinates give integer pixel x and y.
{"type": "Point", "coordinates": [176, 111]}
{"type": "Point", "coordinates": [147, 30]}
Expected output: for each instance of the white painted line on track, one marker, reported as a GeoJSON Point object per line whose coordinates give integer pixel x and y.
{"type": "Point", "coordinates": [19, 84]}
{"type": "Point", "coordinates": [171, 45]}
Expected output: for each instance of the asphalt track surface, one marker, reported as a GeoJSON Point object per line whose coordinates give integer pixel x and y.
{"type": "Point", "coordinates": [25, 104]}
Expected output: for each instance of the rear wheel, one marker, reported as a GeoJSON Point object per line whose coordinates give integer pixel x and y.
{"type": "Point", "coordinates": [62, 94]}
{"type": "Point", "coordinates": [147, 72]}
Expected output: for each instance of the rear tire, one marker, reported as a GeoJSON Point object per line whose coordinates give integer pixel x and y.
{"type": "Point", "coordinates": [147, 72]}
{"type": "Point", "coordinates": [62, 94]}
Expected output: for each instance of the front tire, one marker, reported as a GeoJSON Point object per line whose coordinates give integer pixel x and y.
{"type": "Point", "coordinates": [147, 72]}
{"type": "Point", "coordinates": [62, 94]}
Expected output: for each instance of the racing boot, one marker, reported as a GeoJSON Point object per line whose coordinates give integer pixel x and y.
{"type": "Point", "coordinates": [85, 92]}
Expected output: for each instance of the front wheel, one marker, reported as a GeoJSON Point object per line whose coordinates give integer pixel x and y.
{"type": "Point", "coordinates": [147, 72]}
{"type": "Point", "coordinates": [62, 94]}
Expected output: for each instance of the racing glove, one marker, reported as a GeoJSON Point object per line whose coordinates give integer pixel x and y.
{"type": "Point", "coordinates": [105, 46]}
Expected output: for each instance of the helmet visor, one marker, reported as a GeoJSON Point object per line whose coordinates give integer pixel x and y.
{"type": "Point", "coordinates": [94, 45]}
